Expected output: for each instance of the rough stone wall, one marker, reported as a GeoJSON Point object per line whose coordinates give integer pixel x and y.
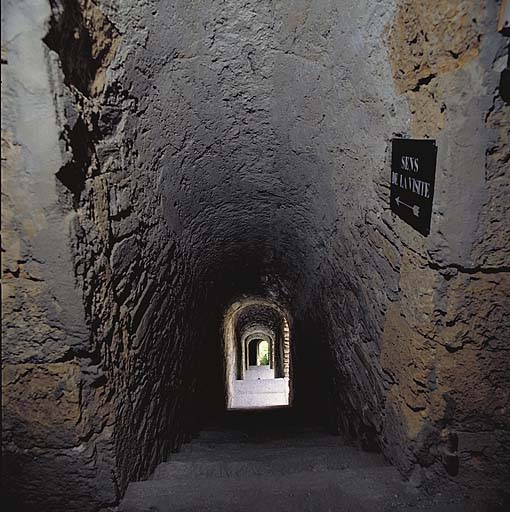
{"type": "Point", "coordinates": [47, 371]}
{"type": "Point", "coordinates": [445, 343]}
{"type": "Point", "coordinates": [188, 154]}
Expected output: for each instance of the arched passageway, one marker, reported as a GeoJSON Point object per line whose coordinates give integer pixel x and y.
{"type": "Point", "coordinates": [182, 178]}
{"type": "Point", "coordinates": [258, 349]}
{"type": "Point", "coordinates": [250, 324]}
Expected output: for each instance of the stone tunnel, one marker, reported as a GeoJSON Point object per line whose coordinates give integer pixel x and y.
{"type": "Point", "coordinates": [181, 178]}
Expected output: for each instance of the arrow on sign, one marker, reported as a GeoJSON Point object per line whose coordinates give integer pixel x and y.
{"type": "Point", "coordinates": [415, 208]}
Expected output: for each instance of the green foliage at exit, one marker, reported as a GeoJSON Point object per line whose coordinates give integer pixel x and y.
{"type": "Point", "coordinates": [263, 350]}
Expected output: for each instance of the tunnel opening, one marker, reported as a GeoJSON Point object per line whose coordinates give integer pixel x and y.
{"type": "Point", "coordinates": [232, 194]}
{"type": "Point", "coordinates": [257, 355]}
{"type": "Point", "coordinates": [262, 352]}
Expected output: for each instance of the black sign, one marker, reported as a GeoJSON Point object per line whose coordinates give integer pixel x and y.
{"type": "Point", "coordinates": [413, 171]}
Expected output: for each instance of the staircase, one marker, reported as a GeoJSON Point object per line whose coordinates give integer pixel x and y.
{"type": "Point", "coordinates": [247, 466]}
{"type": "Point", "coordinates": [260, 389]}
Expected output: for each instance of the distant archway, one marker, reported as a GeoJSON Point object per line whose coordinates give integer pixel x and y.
{"type": "Point", "coordinates": [262, 353]}
{"type": "Point", "coordinates": [257, 353]}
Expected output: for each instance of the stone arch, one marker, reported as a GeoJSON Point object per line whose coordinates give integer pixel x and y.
{"type": "Point", "coordinates": [254, 333]}
{"type": "Point", "coordinates": [245, 321]}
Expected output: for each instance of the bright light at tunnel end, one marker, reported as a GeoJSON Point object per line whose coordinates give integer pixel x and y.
{"type": "Point", "coordinates": [257, 379]}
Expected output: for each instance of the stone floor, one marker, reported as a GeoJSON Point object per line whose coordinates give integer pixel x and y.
{"type": "Point", "coordinates": [255, 465]}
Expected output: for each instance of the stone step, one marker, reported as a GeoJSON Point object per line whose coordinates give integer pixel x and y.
{"type": "Point", "coordinates": [258, 372]}
{"type": "Point", "coordinates": [235, 437]}
{"type": "Point", "coordinates": [221, 436]}
{"type": "Point", "coordinates": [266, 462]}
{"type": "Point", "coordinates": [251, 400]}
{"type": "Point", "coordinates": [261, 386]}
{"type": "Point", "coordinates": [245, 451]}
{"type": "Point", "coordinates": [352, 490]}
{"type": "Point", "coordinates": [282, 433]}
{"type": "Point", "coordinates": [262, 446]}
